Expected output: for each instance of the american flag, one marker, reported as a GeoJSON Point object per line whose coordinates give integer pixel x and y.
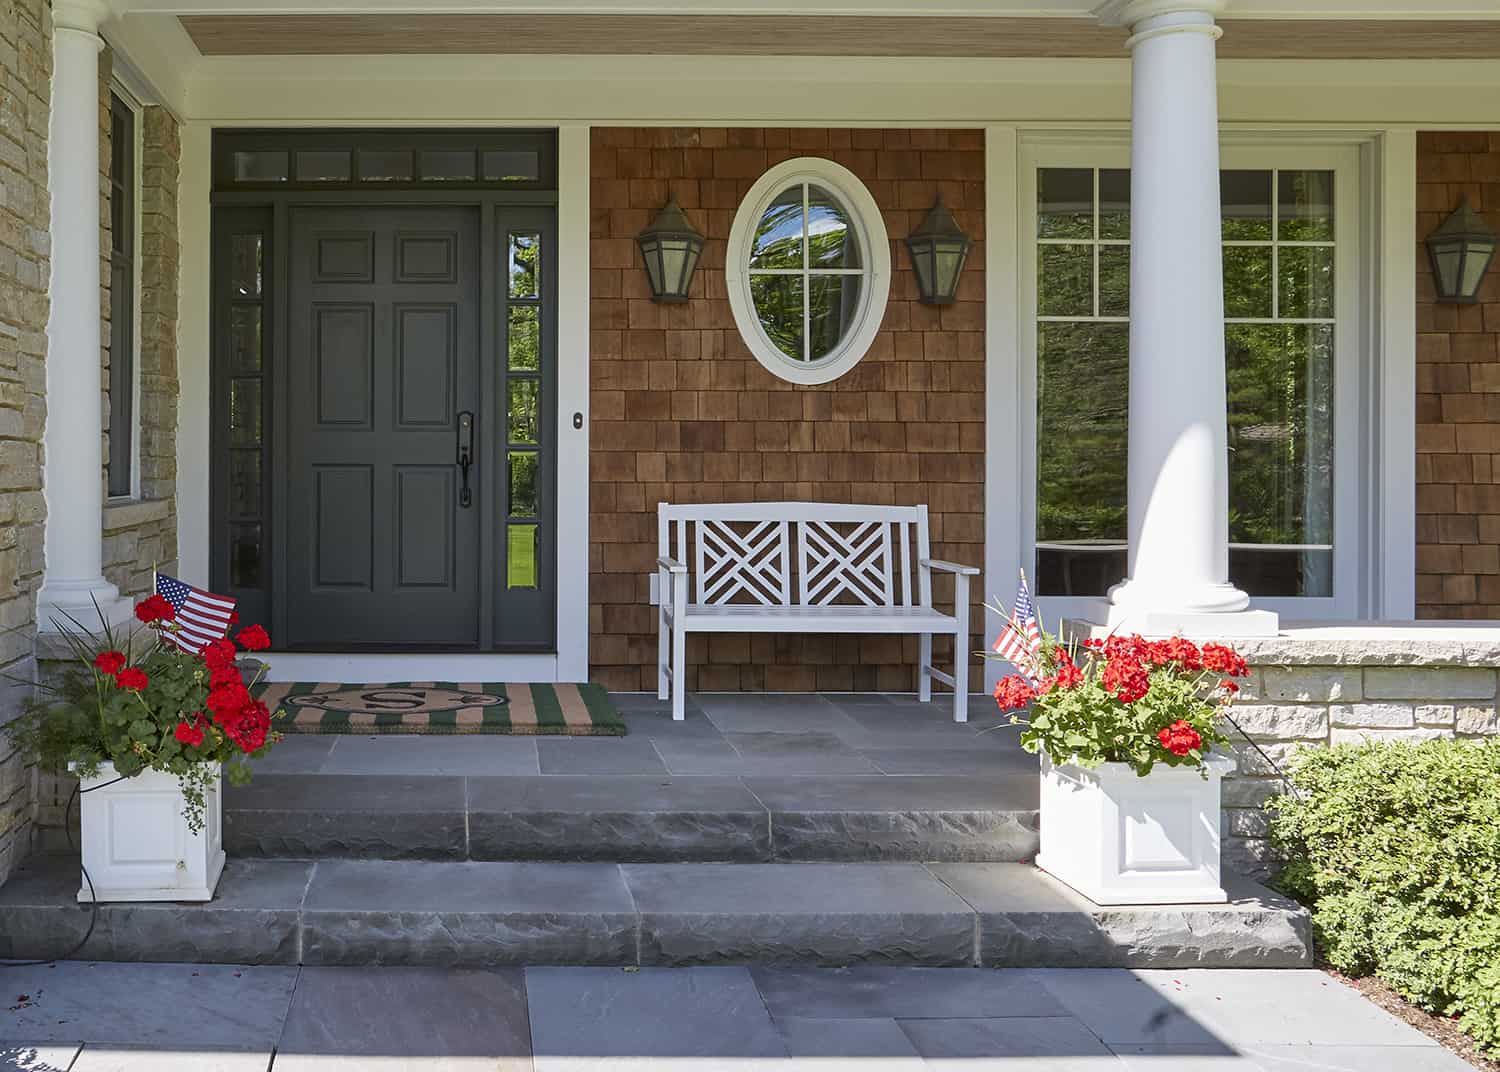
{"type": "Point", "coordinates": [1021, 640]}
{"type": "Point", "coordinates": [202, 617]}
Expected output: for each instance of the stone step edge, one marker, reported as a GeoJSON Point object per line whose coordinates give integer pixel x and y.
{"type": "Point", "coordinates": [1003, 915]}
{"type": "Point", "coordinates": [625, 836]}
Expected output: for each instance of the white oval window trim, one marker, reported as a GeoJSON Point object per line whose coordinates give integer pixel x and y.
{"type": "Point", "coordinates": [874, 243]}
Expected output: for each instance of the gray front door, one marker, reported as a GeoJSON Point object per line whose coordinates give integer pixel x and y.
{"type": "Point", "coordinates": [383, 390]}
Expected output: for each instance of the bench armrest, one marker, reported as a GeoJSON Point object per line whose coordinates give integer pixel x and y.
{"type": "Point", "coordinates": [948, 567]}
{"type": "Point", "coordinates": [671, 565]}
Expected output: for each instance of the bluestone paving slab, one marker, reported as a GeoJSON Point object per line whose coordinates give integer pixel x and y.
{"type": "Point", "coordinates": [660, 724]}
{"type": "Point", "coordinates": [916, 818]}
{"type": "Point", "coordinates": [1029, 919]}
{"type": "Point", "coordinates": [360, 815]}
{"type": "Point", "coordinates": [1053, 1044]}
{"type": "Point", "coordinates": [983, 762]}
{"type": "Point", "coordinates": [599, 755]}
{"type": "Point", "coordinates": [876, 992]}
{"type": "Point", "coordinates": [629, 818]}
{"type": "Point", "coordinates": [1247, 1008]}
{"type": "Point", "coordinates": [761, 713]}
{"type": "Point", "coordinates": [1234, 1009]}
{"type": "Point", "coordinates": [805, 913]}
{"type": "Point", "coordinates": [704, 1019]}
{"type": "Point", "coordinates": [96, 1058]}
{"type": "Point", "coordinates": [37, 1056]}
{"type": "Point", "coordinates": [1288, 1058]}
{"type": "Point", "coordinates": [166, 1006]}
{"type": "Point", "coordinates": [378, 1018]}
{"type": "Point", "coordinates": [251, 920]}
{"type": "Point", "coordinates": [458, 754]}
{"type": "Point", "coordinates": [850, 1045]}
{"type": "Point", "coordinates": [447, 914]}
{"type": "Point", "coordinates": [296, 753]}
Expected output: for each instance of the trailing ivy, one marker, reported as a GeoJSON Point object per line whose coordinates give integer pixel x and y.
{"type": "Point", "coordinates": [1396, 848]}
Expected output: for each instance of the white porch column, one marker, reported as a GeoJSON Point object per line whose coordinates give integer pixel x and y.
{"type": "Point", "coordinates": [73, 479]}
{"type": "Point", "coordinates": [1178, 464]}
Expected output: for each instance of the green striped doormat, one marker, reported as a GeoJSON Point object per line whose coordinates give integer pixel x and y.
{"type": "Point", "coordinates": [439, 707]}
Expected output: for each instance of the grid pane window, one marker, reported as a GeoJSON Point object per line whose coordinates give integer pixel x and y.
{"type": "Point", "coordinates": [525, 402]}
{"type": "Point", "coordinates": [1279, 297]}
{"type": "Point", "coordinates": [122, 222]}
{"type": "Point", "coordinates": [246, 362]}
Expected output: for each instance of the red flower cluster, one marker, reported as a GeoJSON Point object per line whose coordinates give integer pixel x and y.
{"type": "Point", "coordinates": [109, 662]}
{"type": "Point", "coordinates": [1224, 660]}
{"type": "Point", "coordinates": [190, 733]}
{"type": "Point", "coordinates": [1179, 738]}
{"type": "Point", "coordinates": [1014, 692]}
{"type": "Point", "coordinates": [253, 638]}
{"type": "Point", "coordinates": [132, 678]}
{"type": "Point", "coordinates": [155, 609]}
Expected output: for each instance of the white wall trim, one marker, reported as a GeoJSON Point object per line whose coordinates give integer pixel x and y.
{"type": "Point", "coordinates": [573, 171]}
{"type": "Point", "coordinates": [411, 666]}
{"type": "Point", "coordinates": [1393, 446]}
{"type": "Point", "coordinates": [1004, 422]}
{"type": "Point", "coordinates": [193, 348]}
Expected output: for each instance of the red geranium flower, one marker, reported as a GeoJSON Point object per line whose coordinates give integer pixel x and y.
{"type": "Point", "coordinates": [189, 734]}
{"type": "Point", "coordinates": [1224, 660]}
{"type": "Point", "coordinates": [1229, 686]}
{"type": "Point", "coordinates": [110, 662]}
{"type": "Point", "coordinates": [155, 609]}
{"type": "Point", "coordinates": [132, 678]}
{"type": "Point", "coordinates": [253, 638]}
{"type": "Point", "coordinates": [1014, 692]}
{"type": "Point", "coordinates": [234, 617]}
{"type": "Point", "coordinates": [1179, 738]}
{"type": "Point", "coordinates": [219, 654]}
{"type": "Point", "coordinates": [1068, 674]}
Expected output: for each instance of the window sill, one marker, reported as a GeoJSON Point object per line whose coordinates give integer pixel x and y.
{"type": "Point", "coordinates": [129, 513]}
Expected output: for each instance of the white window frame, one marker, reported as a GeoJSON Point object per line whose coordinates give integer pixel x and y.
{"type": "Point", "coordinates": [132, 101]}
{"type": "Point", "coordinates": [1351, 341]}
{"type": "Point", "coordinates": [869, 226]}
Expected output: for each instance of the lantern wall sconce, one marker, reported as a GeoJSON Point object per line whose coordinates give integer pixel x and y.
{"type": "Point", "coordinates": [670, 247]}
{"type": "Point", "coordinates": [1461, 251]}
{"type": "Point", "coordinates": [938, 248]}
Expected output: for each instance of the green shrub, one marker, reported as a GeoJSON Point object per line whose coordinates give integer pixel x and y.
{"type": "Point", "coordinates": [1396, 848]}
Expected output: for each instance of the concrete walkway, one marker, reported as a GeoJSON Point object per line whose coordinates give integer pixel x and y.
{"type": "Point", "coordinates": [97, 1017]}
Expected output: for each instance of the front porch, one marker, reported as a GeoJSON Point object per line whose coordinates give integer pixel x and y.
{"type": "Point", "coordinates": [831, 829]}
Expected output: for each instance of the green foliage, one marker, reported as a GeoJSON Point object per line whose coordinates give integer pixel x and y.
{"type": "Point", "coordinates": [1396, 847]}
{"type": "Point", "coordinates": [86, 717]}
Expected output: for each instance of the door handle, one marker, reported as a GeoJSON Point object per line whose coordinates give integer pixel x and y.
{"type": "Point", "coordinates": [465, 456]}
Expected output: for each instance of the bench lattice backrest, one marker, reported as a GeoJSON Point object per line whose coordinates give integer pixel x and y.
{"type": "Point", "coordinates": [799, 554]}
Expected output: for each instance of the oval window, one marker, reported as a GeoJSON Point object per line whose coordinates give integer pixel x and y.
{"type": "Point", "coordinates": [808, 270]}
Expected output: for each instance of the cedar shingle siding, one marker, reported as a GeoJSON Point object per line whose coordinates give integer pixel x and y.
{"type": "Point", "coordinates": [1458, 395]}
{"type": "Point", "coordinates": [683, 413]}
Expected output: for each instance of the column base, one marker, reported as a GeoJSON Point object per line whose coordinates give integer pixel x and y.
{"type": "Point", "coordinates": [1209, 624]}
{"type": "Point", "coordinates": [63, 605]}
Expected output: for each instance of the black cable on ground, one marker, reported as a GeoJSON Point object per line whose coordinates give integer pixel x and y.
{"type": "Point", "coordinates": [93, 895]}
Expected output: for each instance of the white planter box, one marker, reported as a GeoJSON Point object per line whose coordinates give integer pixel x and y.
{"type": "Point", "coordinates": [1121, 839]}
{"type": "Point", "coordinates": [136, 844]}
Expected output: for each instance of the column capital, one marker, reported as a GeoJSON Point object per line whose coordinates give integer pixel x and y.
{"type": "Point", "coordinates": [1131, 13]}
{"type": "Point", "coordinates": [84, 16]}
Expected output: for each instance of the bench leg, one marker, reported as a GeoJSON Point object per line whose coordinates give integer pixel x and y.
{"type": "Point", "coordinates": [663, 651]}
{"type": "Point", "coordinates": [924, 666]}
{"type": "Point", "coordinates": [961, 650]}
{"type": "Point", "coordinates": [679, 653]}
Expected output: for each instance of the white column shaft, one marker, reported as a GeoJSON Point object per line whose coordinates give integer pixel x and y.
{"type": "Point", "coordinates": [73, 475]}
{"type": "Point", "coordinates": [1178, 462]}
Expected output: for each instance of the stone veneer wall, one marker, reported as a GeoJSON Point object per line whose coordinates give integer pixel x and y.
{"type": "Point", "coordinates": [25, 94]}
{"type": "Point", "coordinates": [1402, 685]}
{"type": "Point", "coordinates": [683, 413]}
{"type": "Point", "coordinates": [1458, 394]}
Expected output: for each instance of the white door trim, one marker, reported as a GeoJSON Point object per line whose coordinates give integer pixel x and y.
{"type": "Point", "coordinates": [573, 170]}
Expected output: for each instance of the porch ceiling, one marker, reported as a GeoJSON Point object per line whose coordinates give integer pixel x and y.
{"type": "Point", "coordinates": [811, 35]}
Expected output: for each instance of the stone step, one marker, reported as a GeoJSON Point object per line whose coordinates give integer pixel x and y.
{"type": "Point", "coordinates": [634, 818]}
{"type": "Point", "coordinates": [436, 913]}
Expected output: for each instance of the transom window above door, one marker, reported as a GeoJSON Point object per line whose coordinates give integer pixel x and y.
{"type": "Point", "coordinates": [808, 270]}
{"type": "Point", "coordinates": [1281, 246]}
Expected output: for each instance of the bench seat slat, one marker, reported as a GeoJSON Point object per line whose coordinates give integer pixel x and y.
{"type": "Point", "coordinates": [704, 618]}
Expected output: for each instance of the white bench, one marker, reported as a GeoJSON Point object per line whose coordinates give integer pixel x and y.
{"type": "Point", "coordinates": [803, 568]}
